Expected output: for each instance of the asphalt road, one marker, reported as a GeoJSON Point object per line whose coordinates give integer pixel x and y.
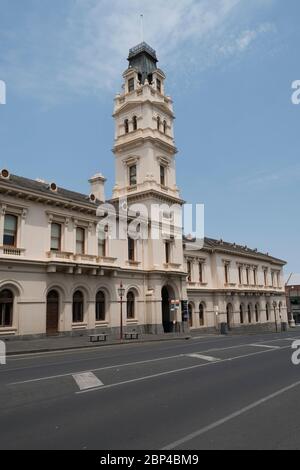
{"type": "Point", "coordinates": [205, 393]}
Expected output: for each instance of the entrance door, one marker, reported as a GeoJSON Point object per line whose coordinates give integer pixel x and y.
{"type": "Point", "coordinates": [166, 296]}
{"type": "Point", "coordinates": [52, 313]}
{"type": "Point", "coordinates": [229, 311]}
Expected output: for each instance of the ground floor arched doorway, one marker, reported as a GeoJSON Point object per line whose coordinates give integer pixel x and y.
{"type": "Point", "coordinates": [52, 312]}
{"type": "Point", "coordinates": [229, 314]}
{"type": "Point", "coordinates": [167, 295]}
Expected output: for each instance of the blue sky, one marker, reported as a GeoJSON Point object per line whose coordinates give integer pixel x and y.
{"type": "Point", "coordinates": [229, 64]}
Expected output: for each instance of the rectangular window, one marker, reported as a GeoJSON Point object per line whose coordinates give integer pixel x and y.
{"type": "Point", "coordinates": [266, 277]}
{"type": "Point", "coordinates": [131, 249]}
{"type": "Point", "coordinates": [255, 276]}
{"type": "Point", "coordinates": [101, 247]}
{"type": "Point", "coordinates": [55, 237]}
{"type": "Point", "coordinates": [189, 270]}
{"type": "Point", "coordinates": [278, 280]}
{"type": "Point", "coordinates": [240, 275]}
{"type": "Point", "coordinates": [10, 230]}
{"type": "Point", "coordinates": [200, 273]}
{"type": "Point", "coordinates": [132, 175]}
{"type": "Point", "coordinates": [272, 279]}
{"type": "Point", "coordinates": [162, 175]}
{"type": "Point", "coordinates": [247, 277]}
{"type": "Point", "coordinates": [226, 269]}
{"type": "Point", "coordinates": [158, 85]}
{"type": "Point", "coordinates": [131, 85]}
{"type": "Point", "coordinates": [167, 252]}
{"type": "Point", "coordinates": [80, 240]}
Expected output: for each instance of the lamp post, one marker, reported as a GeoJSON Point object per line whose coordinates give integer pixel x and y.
{"type": "Point", "coordinates": [216, 309]}
{"type": "Point", "coordinates": [275, 315]}
{"type": "Point", "coordinates": [292, 320]}
{"type": "Point", "coordinates": [121, 292]}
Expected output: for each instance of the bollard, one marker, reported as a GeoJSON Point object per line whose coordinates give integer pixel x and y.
{"type": "Point", "coordinates": [2, 353]}
{"type": "Point", "coordinates": [284, 326]}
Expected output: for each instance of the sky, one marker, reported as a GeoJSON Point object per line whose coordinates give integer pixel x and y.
{"type": "Point", "coordinates": [230, 65]}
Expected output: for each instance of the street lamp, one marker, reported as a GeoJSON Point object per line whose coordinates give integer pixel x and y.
{"type": "Point", "coordinates": [275, 315]}
{"type": "Point", "coordinates": [121, 292]}
{"type": "Point", "coordinates": [216, 309]}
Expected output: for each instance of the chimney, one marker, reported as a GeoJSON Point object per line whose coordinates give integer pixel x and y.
{"type": "Point", "coordinates": [97, 183]}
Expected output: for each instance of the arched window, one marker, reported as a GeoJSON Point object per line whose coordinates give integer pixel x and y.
{"type": "Point", "coordinates": [165, 127]}
{"type": "Point", "coordinates": [78, 303]}
{"type": "Point", "coordinates": [268, 312]}
{"type": "Point", "coordinates": [6, 308]}
{"type": "Point", "coordinates": [130, 305]}
{"type": "Point", "coordinates": [126, 126]}
{"type": "Point", "coordinates": [52, 315]}
{"type": "Point", "coordinates": [10, 230]}
{"type": "Point", "coordinates": [241, 314]}
{"type": "Point", "coordinates": [158, 123]}
{"type": "Point", "coordinates": [100, 306]}
{"type": "Point", "coordinates": [191, 315]}
{"type": "Point", "coordinates": [249, 314]}
{"type": "Point", "coordinates": [256, 313]}
{"type": "Point", "coordinates": [134, 122]}
{"type": "Point", "coordinates": [201, 314]}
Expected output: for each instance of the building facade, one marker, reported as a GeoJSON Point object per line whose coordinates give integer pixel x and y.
{"type": "Point", "coordinates": [61, 269]}
{"type": "Point", "coordinates": [292, 289]}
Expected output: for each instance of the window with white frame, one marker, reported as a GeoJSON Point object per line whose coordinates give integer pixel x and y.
{"type": "Point", "coordinates": [132, 175]}
{"type": "Point", "coordinates": [10, 230]}
{"type": "Point", "coordinates": [55, 237]}
{"type": "Point", "coordinates": [80, 241]}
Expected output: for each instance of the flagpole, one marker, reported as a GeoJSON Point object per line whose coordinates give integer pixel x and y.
{"type": "Point", "coordinates": [142, 27]}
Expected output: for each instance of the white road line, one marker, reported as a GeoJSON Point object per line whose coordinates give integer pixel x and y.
{"type": "Point", "coordinates": [230, 417]}
{"type": "Point", "coordinates": [204, 358]}
{"type": "Point", "coordinates": [135, 363]}
{"type": "Point", "coordinates": [117, 366]}
{"type": "Point", "coordinates": [87, 381]}
{"type": "Point", "coordinates": [206, 336]}
{"type": "Point", "coordinates": [175, 371]}
{"type": "Point", "coordinates": [264, 346]}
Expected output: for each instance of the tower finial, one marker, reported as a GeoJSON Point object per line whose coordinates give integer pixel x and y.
{"type": "Point", "coordinates": [142, 27]}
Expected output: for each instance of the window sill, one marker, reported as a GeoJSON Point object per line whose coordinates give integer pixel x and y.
{"type": "Point", "coordinates": [132, 188]}
{"type": "Point", "coordinates": [79, 326]}
{"type": "Point", "coordinates": [106, 260]}
{"type": "Point", "coordinates": [132, 321]}
{"type": "Point", "coordinates": [59, 254]}
{"type": "Point", "coordinates": [101, 324]}
{"type": "Point", "coordinates": [172, 266]}
{"type": "Point", "coordinates": [133, 263]}
{"type": "Point", "coordinates": [8, 330]}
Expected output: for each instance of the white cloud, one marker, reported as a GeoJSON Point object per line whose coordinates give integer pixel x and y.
{"type": "Point", "coordinates": [264, 179]}
{"type": "Point", "coordinates": [243, 41]}
{"type": "Point", "coordinates": [84, 52]}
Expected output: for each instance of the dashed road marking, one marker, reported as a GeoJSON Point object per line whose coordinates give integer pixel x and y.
{"type": "Point", "coordinates": [264, 346]}
{"type": "Point", "coordinates": [204, 358]}
{"type": "Point", "coordinates": [87, 381]}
